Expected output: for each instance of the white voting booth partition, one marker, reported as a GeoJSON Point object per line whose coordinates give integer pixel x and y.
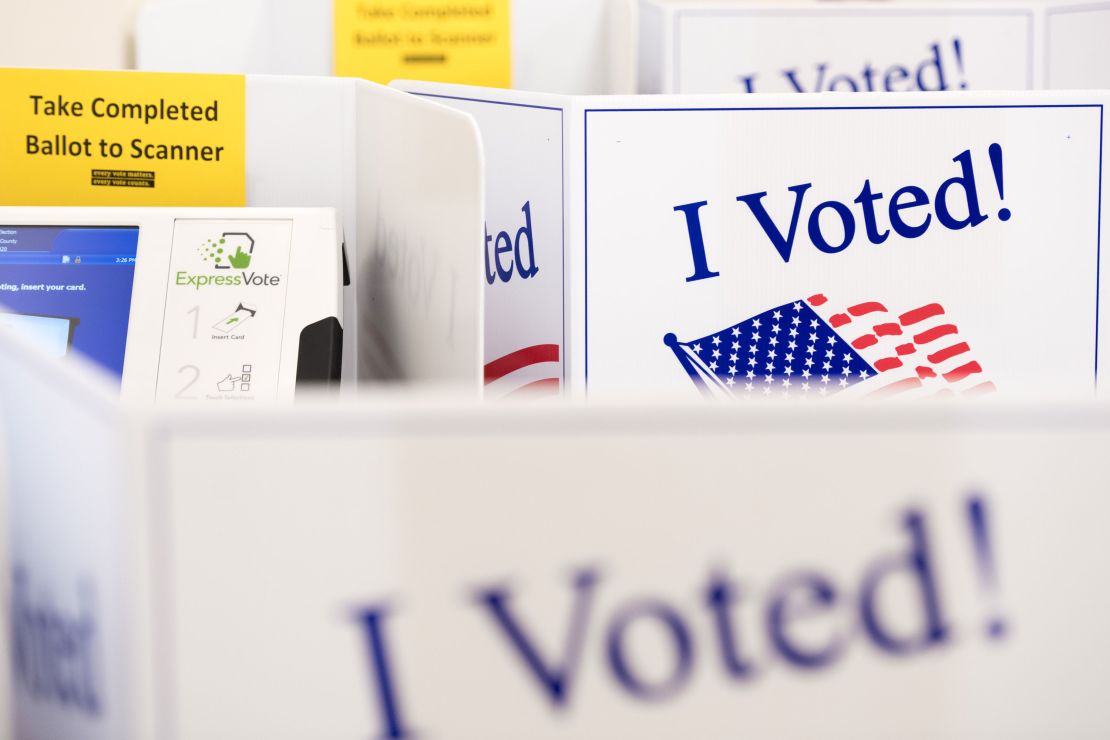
{"type": "Point", "coordinates": [572, 46]}
{"type": "Point", "coordinates": [813, 46]}
{"type": "Point", "coordinates": [406, 180]}
{"type": "Point", "coordinates": [384, 569]}
{"type": "Point", "coordinates": [840, 245]}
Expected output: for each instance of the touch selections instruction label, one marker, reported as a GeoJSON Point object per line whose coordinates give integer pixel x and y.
{"type": "Point", "coordinates": [225, 310]}
{"type": "Point", "coordinates": [122, 138]}
{"type": "Point", "coordinates": [462, 41]}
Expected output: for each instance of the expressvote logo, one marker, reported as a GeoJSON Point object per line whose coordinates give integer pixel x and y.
{"type": "Point", "coordinates": [229, 255]}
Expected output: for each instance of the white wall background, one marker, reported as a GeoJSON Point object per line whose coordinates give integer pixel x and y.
{"type": "Point", "coordinates": [83, 34]}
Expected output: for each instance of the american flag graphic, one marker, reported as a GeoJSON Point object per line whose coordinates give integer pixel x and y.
{"type": "Point", "coordinates": [810, 349]}
{"type": "Point", "coordinates": [529, 371]}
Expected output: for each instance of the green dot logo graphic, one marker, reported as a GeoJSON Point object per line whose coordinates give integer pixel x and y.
{"type": "Point", "coordinates": [232, 250]}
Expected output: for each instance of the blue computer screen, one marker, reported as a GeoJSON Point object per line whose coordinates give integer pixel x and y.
{"type": "Point", "coordinates": [69, 288]}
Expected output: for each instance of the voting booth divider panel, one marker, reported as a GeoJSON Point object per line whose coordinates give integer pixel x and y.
{"type": "Point", "coordinates": [349, 569]}
{"type": "Point", "coordinates": [419, 219]}
{"type": "Point", "coordinates": [77, 581]}
{"type": "Point", "coordinates": [836, 245]}
{"type": "Point", "coordinates": [386, 161]}
{"type": "Point", "coordinates": [813, 46]}
{"type": "Point", "coordinates": [524, 249]}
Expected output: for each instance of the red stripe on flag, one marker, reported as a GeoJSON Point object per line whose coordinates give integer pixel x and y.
{"type": "Point", "coordinates": [839, 319]}
{"type": "Point", "coordinates": [949, 352]}
{"type": "Point", "coordinates": [817, 300]}
{"type": "Point", "coordinates": [865, 341]}
{"type": "Point", "coordinates": [905, 349]}
{"type": "Point", "coordinates": [545, 387]}
{"type": "Point", "coordinates": [888, 330]}
{"type": "Point", "coordinates": [935, 333]}
{"type": "Point", "coordinates": [887, 363]}
{"type": "Point", "coordinates": [901, 386]}
{"type": "Point", "coordinates": [926, 372]}
{"type": "Point", "coordinates": [514, 361]}
{"type": "Point", "coordinates": [981, 390]}
{"type": "Point", "coordinates": [962, 372]}
{"type": "Point", "coordinates": [861, 309]}
{"type": "Point", "coordinates": [920, 314]}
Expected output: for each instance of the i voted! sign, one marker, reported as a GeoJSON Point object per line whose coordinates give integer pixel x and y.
{"type": "Point", "coordinates": [927, 245]}
{"type": "Point", "coordinates": [694, 570]}
{"type": "Point", "coordinates": [708, 627]}
{"type": "Point", "coordinates": [813, 46]}
{"type": "Point", "coordinates": [801, 349]}
{"type": "Point", "coordinates": [915, 235]}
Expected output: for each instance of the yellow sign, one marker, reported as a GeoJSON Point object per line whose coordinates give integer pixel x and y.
{"type": "Point", "coordinates": [122, 138]}
{"type": "Point", "coordinates": [464, 41]}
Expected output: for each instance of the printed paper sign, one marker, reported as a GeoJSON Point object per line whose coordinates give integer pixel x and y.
{"type": "Point", "coordinates": [463, 41]}
{"type": "Point", "coordinates": [761, 47]}
{"type": "Point", "coordinates": [121, 138]}
{"type": "Point", "coordinates": [852, 49]}
{"type": "Point", "coordinates": [776, 255]}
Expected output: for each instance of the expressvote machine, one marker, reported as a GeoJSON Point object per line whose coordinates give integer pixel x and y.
{"type": "Point", "coordinates": [181, 304]}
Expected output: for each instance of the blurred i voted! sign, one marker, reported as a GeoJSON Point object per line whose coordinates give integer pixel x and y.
{"type": "Point", "coordinates": [849, 572]}
{"type": "Point", "coordinates": [740, 46]}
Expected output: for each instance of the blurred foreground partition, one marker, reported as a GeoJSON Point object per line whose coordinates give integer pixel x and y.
{"type": "Point", "coordinates": [418, 568]}
{"type": "Point", "coordinates": [572, 46]}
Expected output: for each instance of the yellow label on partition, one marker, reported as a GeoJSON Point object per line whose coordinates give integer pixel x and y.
{"type": "Point", "coordinates": [464, 41]}
{"type": "Point", "coordinates": [122, 138]}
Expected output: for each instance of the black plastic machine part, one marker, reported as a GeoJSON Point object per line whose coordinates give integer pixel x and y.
{"type": "Point", "coordinates": [320, 355]}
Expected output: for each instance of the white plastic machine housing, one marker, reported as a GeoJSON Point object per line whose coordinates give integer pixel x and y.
{"type": "Point", "coordinates": [286, 291]}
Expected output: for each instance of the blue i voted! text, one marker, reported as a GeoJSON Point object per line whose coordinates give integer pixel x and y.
{"type": "Point", "coordinates": [506, 255]}
{"type": "Point", "coordinates": [833, 225]}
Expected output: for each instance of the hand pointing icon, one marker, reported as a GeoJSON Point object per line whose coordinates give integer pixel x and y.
{"type": "Point", "coordinates": [240, 260]}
